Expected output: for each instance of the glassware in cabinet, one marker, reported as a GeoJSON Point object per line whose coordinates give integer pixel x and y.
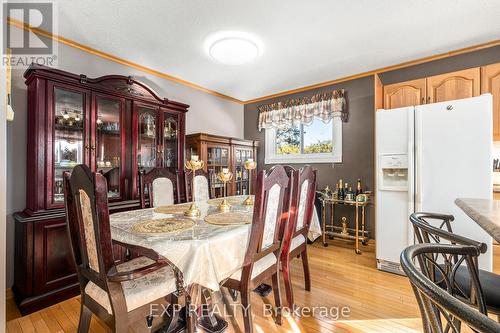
{"type": "Point", "coordinates": [109, 143]}
{"type": "Point", "coordinates": [147, 143]}
{"type": "Point", "coordinates": [170, 140]}
{"type": "Point", "coordinates": [69, 123]}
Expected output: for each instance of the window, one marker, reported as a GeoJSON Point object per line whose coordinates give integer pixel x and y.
{"type": "Point", "coordinates": [317, 142]}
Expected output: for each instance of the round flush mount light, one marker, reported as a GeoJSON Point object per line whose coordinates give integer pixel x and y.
{"type": "Point", "coordinates": [233, 48]}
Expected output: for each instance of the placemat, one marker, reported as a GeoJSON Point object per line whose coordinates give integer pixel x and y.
{"type": "Point", "coordinates": [231, 201]}
{"type": "Point", "coordinates": [172, 209]}
{"type": "Point", "coordinates": [229, 218]}
{"type": "Point", "coordinates": [163, 225]}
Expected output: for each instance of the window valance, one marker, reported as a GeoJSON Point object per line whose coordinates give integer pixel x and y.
{"type": "Point", "coordinates": [324, 106]}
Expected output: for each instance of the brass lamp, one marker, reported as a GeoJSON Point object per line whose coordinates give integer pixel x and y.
{"type": "Point", "coordinates": [249, 165]}
{"type": "Point", "coordinates": [224, 176]}
{"type": "Point", "coordinates": [193, 165]}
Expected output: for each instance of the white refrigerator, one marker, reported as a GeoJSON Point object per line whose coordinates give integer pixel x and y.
{"type": "Point", "coordinates": [426, 157]}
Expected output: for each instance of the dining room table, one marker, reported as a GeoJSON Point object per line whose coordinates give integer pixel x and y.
{"type": "Point", "coordinates": [207, 249]}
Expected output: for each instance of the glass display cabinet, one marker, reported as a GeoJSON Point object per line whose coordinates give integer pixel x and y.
{"type": "Point", "coordinates": [114, 124]}
{"type": "Point", "coordinates": [108, 148]}
{"type": "Point", "coordinates": [241, 175]}
{"type": "Point", "coordinates": [224, 152]}
{"type": "Point", "coordinates": [69, 133]}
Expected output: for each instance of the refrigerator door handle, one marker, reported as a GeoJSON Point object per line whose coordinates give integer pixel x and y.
{"type": "Point", "coordinates": [418, 160]}
{"type": "Point", "coordinates": [411, 173]}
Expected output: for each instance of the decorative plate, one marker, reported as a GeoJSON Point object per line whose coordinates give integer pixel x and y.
{"type": "Point", "coordinates": [229, 218]}
{"type": "Point", "coordinates": [163, 225]}
{"type": "Point", "coordinates": [230, 200]}
{"type": "Point", "coordinates": [172, 209]}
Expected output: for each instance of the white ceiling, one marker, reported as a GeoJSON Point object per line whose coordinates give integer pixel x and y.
{"type": "Point", "coordinates": [306, 42]}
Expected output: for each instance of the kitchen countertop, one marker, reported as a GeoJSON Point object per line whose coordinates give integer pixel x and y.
{"type": "Point", "coordinates": [484, 212]}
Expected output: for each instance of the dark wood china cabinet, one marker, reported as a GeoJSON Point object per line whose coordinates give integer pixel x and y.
{"type": "Point", "coordinates": [114, 124]}
{"type": "Point", "coordinates": [220, 152]}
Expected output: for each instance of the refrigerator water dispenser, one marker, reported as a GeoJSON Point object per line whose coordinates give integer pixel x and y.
{"type": "Point", "coordinates": [393, 173]}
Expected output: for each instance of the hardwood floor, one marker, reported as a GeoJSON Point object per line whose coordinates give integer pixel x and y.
{"type": "Point", "coordinates": [377, 301]}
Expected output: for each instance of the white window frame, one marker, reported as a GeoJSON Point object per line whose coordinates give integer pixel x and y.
{"type": "Point", "coordinates": [334, 157]}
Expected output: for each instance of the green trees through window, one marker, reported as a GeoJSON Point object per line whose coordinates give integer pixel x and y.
{"type": "Point", "coordinates": [315, 138]}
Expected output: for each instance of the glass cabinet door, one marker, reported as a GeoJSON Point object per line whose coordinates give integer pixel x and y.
{"type": "Point", "coordinates": [241, 175]}
{"type": "Point", "coordinates": [108, 143]}
{"type": "Point", "coordinates": [170, 144]}
{"type": "Point", "coordinates": [218, 158]}
{"type": "Point", "coordinates": [69, 136]}
{"type": "Point", "coordinates": [147, 143]}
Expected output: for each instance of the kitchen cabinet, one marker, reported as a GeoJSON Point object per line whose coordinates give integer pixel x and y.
{"type": "Point", "coordinates": [455, 85]}
{"type": "Point", "coordinates": [433, 89]}
{"type": "Point", "coordinates": [490, 83]}
{"type": "Point", "coordinates": [403, 94]}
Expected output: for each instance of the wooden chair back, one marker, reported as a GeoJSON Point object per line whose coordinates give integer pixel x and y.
{"type": "Point", "coordinates": [159, 177]}
{"type": "Point", "coordinates": [299, 199]}
{"type": "Point", "coordinates": [265, 237]}
{"type": "Point", "coordinates": [203, 186]}
{"type": "Point", "coordinates": [87, 216]}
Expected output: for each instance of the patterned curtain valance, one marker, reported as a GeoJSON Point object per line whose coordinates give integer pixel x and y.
{"type": "Point", "coordinates": [325, 106]}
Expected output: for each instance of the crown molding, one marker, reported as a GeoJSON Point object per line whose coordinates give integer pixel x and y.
{"type": "Point", "coordinates": [76, 45]}
{"type": "Point", "coordinates": [166, 76]}
{"type": "Point", "coordinates": [380, 70]}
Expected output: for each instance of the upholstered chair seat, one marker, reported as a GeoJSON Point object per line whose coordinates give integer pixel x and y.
{"type": "Point", "coordinates": [139, 291]}
{"type": "Point", "coordinates": [259, 266]}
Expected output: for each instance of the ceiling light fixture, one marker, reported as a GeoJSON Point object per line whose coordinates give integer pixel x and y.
{"type": "Point", "coordinates": [233, 47]}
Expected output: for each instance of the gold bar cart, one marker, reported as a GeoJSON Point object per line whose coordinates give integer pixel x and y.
{"type": "Point", "coordinates": [331, 230]}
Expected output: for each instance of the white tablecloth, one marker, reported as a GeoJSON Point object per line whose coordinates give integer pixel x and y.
{"type": "Point", "coordinates": [206, 254]}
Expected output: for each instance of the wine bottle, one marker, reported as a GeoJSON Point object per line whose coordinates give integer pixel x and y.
{"type": "Point", "coordinates": [340, 191]}
{"type": "Point", "coordinates": [358, 189]}
{"type": "Point", "coordinates": [335, 194]}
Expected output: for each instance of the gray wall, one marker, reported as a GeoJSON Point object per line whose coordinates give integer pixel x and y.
{"type": "Point", "coordinates": [358, 147]}
{"type": "Point", "coordinates": [204, 115]}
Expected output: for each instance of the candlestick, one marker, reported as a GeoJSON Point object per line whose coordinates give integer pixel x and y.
{"type": "Point", "coordinates": [249, 165]}
{"type": "Point", "coordinates": [193, 165]}
{"type": "Point", "coordinates": [225, 176]}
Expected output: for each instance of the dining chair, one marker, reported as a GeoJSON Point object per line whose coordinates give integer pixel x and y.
{"type": "Point", "coordinates": [264, 245]}
{"type": "Point", "coordinates": [299, 197]}
{"type": "Point", "coordinates": [426, 232]}
{"type": "Point", "coordinates": [119, 294]}
{"type": "Point", "coordinates": [203, 185]}
{"type": "Point", "coordinates": [159, 187]}
{"type": "Point", "coordinates": [440, 308]}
